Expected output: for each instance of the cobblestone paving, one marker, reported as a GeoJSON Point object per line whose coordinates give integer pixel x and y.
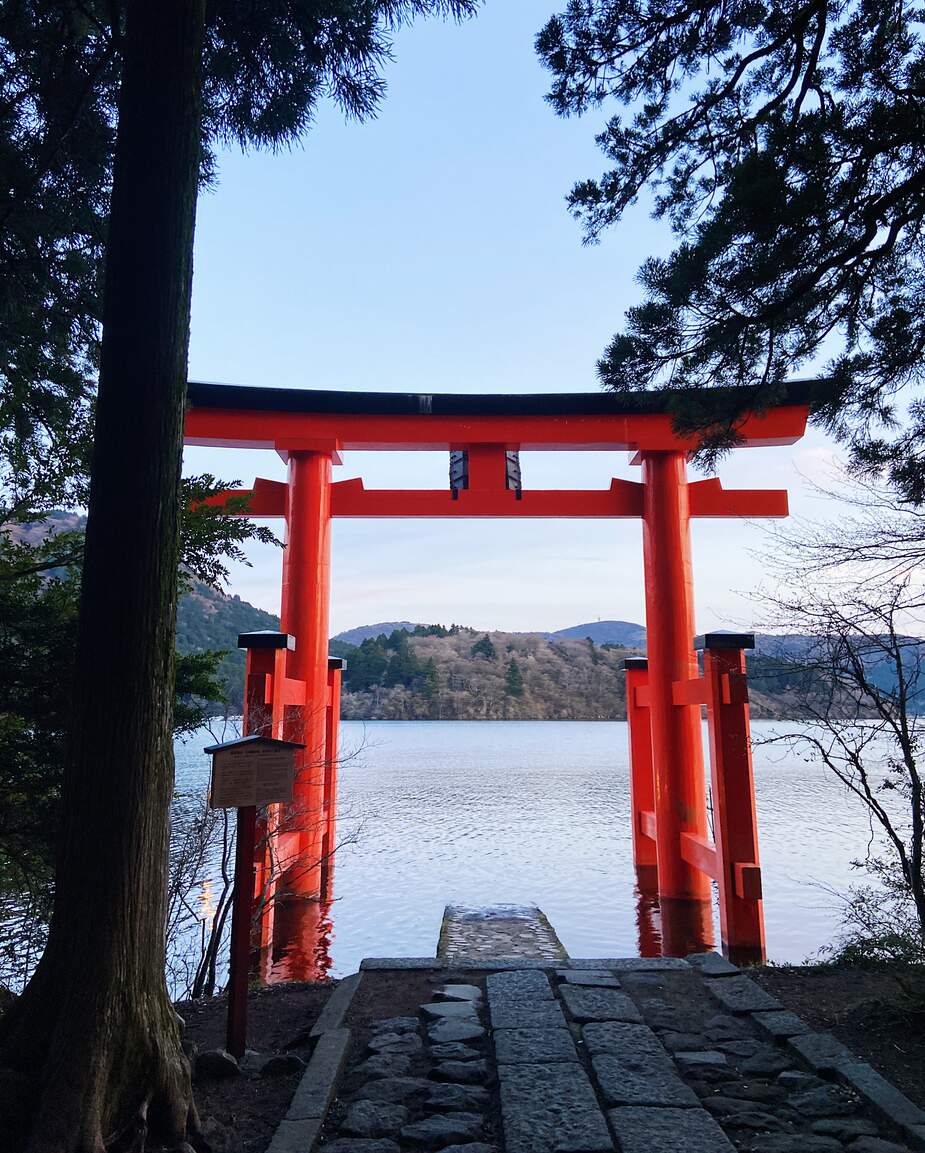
{"type": "Point", "coordinates": [671, 1056]}
{"type": "Point", "coordinates": [424, 1083]}
{"type": "Point", "coordinates": [644, 1055]}
{"type": "Point", "coordinates": [497, 931]}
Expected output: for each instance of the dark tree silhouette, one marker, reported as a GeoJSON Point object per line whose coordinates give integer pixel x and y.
{"type": "Point", "coordinates": [94, 1040]}
{"type": "Point", "coordinates": [784, 144]}
{"type": "Point", "coordinates": [513, 680]}
{"type": "Point", "coordinates": [95, 1029]}
{"type": "Point", "coordinates": [484, 648]}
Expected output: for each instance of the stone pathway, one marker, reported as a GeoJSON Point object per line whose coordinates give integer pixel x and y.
{"type": "Point", "coordinates": [671, 1056]}
{"type": "Point", "coordinates": [493, 931]}
{"type": "Point", "coordinates": [638, 1055]}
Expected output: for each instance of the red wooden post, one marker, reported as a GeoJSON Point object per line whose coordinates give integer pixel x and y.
{"type": "Point", "coordinates": [735, 827]}
{"type": "Point", "coordinates": [677, 748]}
{"type": "Point", "coordinates": [642, 783]}
{"type": "Point", "coordinates": [239, 959]}
{"type": "Point", "coordinates": [258, 713]}
{"type": "Point", "coordinates": [304, 613]}
{"type": "Point", "coordinates": [267, 878]}
{"type": "Point", "coordinates": [336, 665]}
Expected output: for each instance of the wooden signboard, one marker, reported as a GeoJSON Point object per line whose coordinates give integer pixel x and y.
{"type": "Point", "coordinates": [251, 772]}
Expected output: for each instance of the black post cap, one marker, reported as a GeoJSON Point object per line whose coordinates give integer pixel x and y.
{"type": "Point", "coordinates": [636, 663]}
{"type": "Point", "coordinates": [724, 641]}
{"type": "Point", "coordinates": [266, 639]}
{"type": "Point", "coordinates": [336, 663]}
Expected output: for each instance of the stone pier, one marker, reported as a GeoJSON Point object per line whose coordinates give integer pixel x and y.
{"type": "Point", "coordinates": [493, 931]}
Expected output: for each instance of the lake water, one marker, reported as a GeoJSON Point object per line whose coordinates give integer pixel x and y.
{"type": "Point", "coordinates": [488, 812]}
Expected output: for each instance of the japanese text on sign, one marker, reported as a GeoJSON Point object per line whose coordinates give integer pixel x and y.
{"type": "Point", "coordinates": [256, 775]}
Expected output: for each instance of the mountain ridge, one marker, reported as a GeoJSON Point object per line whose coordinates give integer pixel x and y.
{"type": "Point", "coordinates": [627, 633]}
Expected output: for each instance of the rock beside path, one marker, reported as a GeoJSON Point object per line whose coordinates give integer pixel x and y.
{"type": "Point", "coordinates": [464, 1072]}
{"type": "Point", "coordinates": [217, 1064]}
{"type": "Point", "coordinates": [385, 1065]}
{"type": "Point", "coordinates": [436, 1132]}
{"type": "Point", "coordinates": [453, 1051]}
{"type": "Point", "coordinates": [280, 1064]}
{"type": "Point", "coordinates": [470, 1147]}
{"type": "Point", "coordinates": [459, 993]}
{"type": "Point", "coordinates": [395, 1025]}
{"type": "Point", "coordinates": [393, 1090]}
{"type": "Point", "coordinates": [446, 1031]}
{"type": "Point", "coordinates": [395, 1043]}
{"type": "Point", "coordinates": [374, 1119]}
{"type": "Point", "coordinates": [446, 1095]}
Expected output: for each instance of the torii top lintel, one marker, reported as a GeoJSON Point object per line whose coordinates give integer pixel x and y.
{"type": "Point", "coordinates": [291, 419]}
{"type": "Point", "coordinates": [296, 422]}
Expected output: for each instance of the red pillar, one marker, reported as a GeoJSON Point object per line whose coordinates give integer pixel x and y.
{"type": "Point", "coordinates": [258, 689]}
{"type": "Point", "coordinates": [331, 744]}
{"type": "Point", "coordinates": [266, 668]}
{"type": "Point", "coordinates": [304, 614]}
{"type": "Point", "coordinates": [642, 784]}
{"type": "Point", "coordinates": [677, 752]}
{"type": "Point", "coordinates": [735, 825]}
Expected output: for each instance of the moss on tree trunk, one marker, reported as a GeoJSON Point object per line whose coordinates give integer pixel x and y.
{"type": "Point", "coordinates": [94, 1032]}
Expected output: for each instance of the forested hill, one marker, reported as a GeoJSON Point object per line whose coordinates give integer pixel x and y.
{"type": "Point", "coordinates": [206, 618]}
{"type": "Point", "coordinates": [402, 671]}
{"type": "Point", "coordinates": [210, 620]}
{"type": "Point", "coordinates": [435, 673]}
{"type": "Point", "coordinates": [398, 670]}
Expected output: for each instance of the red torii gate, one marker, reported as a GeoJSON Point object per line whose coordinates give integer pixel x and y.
{"type": "Point", "coordinates": [310, 428]}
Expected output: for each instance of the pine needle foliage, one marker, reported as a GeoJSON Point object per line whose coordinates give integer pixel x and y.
{"type": "Point", "coordinates": [513, 680]}
{"type": "Point", "coordinates": [484, 648]}
{"type": "Point", "coordinates": [783, 142]}
{"type": "Point", "coordinates": [266, 68]}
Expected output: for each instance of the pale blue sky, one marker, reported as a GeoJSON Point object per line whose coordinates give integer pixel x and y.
{"type": "Point", "coordinates": [430, 250]}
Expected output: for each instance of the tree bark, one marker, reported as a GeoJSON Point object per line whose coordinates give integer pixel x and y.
{"type": "Point", "coordinates": [94, 1031]}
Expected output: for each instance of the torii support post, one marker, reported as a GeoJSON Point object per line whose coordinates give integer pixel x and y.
{"type": "Point", "coordinates": [336, 668]}
{"type": "Point", "coordinates": [735, 826]}
{"type": "Point", "coordinates": [265, 673]}
{"type": "Point", "coordinates": [642, 783]}
{"type": "Point", "coordinates": [677, 747]}
{"type": "Point", "coordinates": [732, 858]}
{"type": "Point", "coordinates": [304, 613]}
{"type": "Point", "coordinates": [261, 669]}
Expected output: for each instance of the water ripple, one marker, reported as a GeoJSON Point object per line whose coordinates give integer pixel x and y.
{"type": "Point", "coordinates": [538, 812]}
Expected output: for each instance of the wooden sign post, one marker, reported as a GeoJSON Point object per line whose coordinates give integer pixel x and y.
{"type": "Point", "coordinates": [248, 772]}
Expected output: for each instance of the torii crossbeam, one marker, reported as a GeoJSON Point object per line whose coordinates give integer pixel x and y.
{"type": "Point", "coordinates": [309, 429]}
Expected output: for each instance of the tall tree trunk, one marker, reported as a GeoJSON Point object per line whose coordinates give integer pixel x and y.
{"type": "Point", "coordinates": [95, 1031]}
